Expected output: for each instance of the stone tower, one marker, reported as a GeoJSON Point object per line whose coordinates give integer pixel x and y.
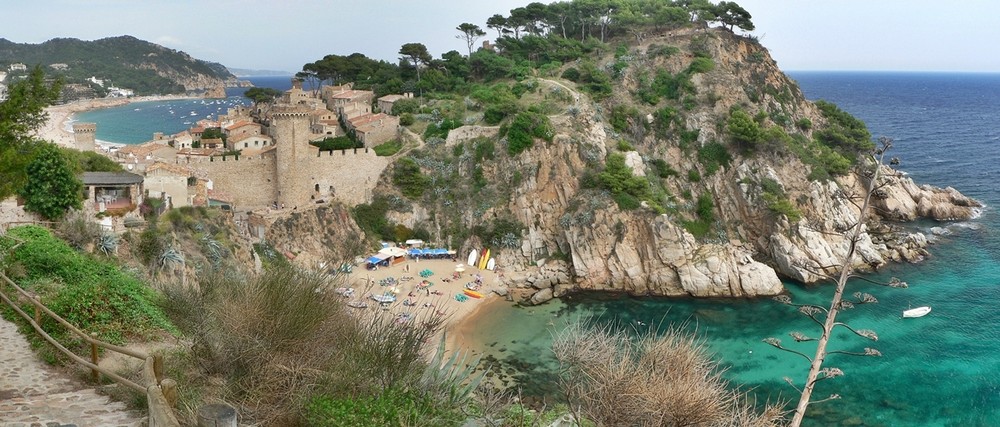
{"type": "Point", "coordinates": [291, 133]}
{"type": "Point", "coordinates": [84, 135]}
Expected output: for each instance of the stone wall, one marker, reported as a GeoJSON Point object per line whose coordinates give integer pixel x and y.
{"type": "Point", "coordinates": [347, 175]}
{"type": "Point", "coordinates": [249, 181]}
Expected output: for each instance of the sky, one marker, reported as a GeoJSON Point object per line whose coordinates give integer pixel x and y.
{"type": "Point", "coordinates": [885, 35]}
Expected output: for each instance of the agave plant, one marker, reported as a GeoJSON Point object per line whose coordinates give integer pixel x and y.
{"type": "Point", "coordinates": [453, 379]}
{"type": "Point", "coordinates": [171, 256]}
{"type": "Point", "coordinates": [107, 243]}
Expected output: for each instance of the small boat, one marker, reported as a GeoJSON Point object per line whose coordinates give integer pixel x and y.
{"type": "Point", "coordinates": [384, 298]}
{"type": "Point", "coordinates": [917, 312]}
{"type": "Point", "coordinates": [357, 304]}
{"type": "Point", "coordinates": [473, 293]}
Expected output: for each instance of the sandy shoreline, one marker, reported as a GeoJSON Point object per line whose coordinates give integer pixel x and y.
{"type": "Point", "coordinates": [55, 128]}
{"type": "Point", "coordinates": [436, 300]}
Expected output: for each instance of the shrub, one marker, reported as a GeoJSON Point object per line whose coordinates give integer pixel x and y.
{"type": "Point", "coordinates": [843, 131]}
{"type": "Point", "coordinates": [804, 124]}
{"type": "Point", "coordinates": [79, 230]}
{"type": "Point", "coordinates": [407, 119]}
{"type": "Point", "coordinates": [713, 155]}
{"type": "Point", "coordinates": [667, 376]}
{"type": "Point", "coordinates": [782, 206]}
{"type": "Point", "coordinates": [408, 178]}
{"type": "Point", "coordinates": [572, 74]}
{"type": "Point", "coordinates": [404, 106]}
{"type": "Point", "coordinates": [626, 188]}
{"type": "Point", "coordinates": [525, 127]}
{"type": "Point", "coordinates": [335, 143]}
{"type": "Point", "coordinates": [388, 148]}
{"type": "Point", "coordinates": [663, 170]}
{"type": "Point", "coordinates": [624, 146]}
{"type": "Point", "coordinates": [701, 65]}
{"type": "Point", "coordinates": [744, 132]}
{"type": "Point", "coordinates": [694, 175]}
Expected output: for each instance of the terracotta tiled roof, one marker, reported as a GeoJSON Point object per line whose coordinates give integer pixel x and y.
{"type": "Point", "coordinates": [240, 124]}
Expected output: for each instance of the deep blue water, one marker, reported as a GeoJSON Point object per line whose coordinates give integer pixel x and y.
{"type": "Point", "coordinates": [135, 123]}
{"type": "Point", "coordinates": [939, 370]}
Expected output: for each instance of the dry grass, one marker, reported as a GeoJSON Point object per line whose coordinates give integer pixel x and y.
{"type": "Point", "coordinates": [281, 336]}
{"type": "Point", "coordinates": [654, 379]}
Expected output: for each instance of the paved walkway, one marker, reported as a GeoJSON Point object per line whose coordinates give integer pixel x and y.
{"type": "Point", "coordinates": [35, 395]}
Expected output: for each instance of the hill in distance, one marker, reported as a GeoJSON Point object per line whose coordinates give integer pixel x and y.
{"type": "Point", "coordinates": [124, 61]}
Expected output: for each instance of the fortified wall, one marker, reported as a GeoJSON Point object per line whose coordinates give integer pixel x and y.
{"type": "Point", "coordinates": [294, 173]}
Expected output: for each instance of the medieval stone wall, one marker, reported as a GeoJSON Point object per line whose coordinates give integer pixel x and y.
{"type": "Point", "coordinates": [249, 181]}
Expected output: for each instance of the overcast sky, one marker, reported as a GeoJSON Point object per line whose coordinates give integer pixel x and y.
{"type": "Point", "coordinates": [890, 35]}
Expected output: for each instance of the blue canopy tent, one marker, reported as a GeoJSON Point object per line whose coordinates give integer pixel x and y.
{"type": "Point", "coordinates": [378, 259]}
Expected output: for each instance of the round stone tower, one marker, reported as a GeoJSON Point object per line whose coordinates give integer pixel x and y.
{"type": "Point", "coordinates": [84, 135]}
{"type": "Point", "coordinates": [291, 133]}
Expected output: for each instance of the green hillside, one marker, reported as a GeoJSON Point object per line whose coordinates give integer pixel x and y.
{"type": "Point", "coordinates": [123, 61]}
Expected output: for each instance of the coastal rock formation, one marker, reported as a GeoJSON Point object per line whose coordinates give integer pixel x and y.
{"type": "Point", "coordinates": [714, 215]}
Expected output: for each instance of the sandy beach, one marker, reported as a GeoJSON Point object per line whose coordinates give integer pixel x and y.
{"type": "Point", "coordinates": [439, 299]}
{"type": "Point", "coordinates": [55, 128]}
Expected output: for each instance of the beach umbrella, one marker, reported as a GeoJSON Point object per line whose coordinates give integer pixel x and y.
{"type": "Point", "coordinates": [459, 269]}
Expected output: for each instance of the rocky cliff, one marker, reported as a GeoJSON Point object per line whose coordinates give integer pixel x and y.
{"type": "Point", "coordinates": [743, 180]}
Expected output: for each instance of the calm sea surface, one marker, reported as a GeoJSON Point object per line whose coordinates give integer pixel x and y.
{"type": "Point", "coordinates": [135, 123]}
{"type": "Point", "coordinates": [939, 370]}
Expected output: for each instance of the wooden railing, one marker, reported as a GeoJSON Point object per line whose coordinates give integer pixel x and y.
{"type": "Point", "coordinates": [161, 393]}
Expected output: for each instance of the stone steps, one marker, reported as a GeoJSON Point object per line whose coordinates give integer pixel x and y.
{"type": "Point", "coordinates": [34, 394]}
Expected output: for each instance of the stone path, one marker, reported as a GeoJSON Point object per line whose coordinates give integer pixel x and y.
{"type": "Point", "coordinates": [35, 395]}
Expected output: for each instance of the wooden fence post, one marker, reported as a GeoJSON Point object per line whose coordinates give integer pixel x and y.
{"type": "Point", "coordinates": [94, 373]}
{"type": "Point", "coordinates": [158, 368]}
{"type": "Point", "coordinates": [38, 312]}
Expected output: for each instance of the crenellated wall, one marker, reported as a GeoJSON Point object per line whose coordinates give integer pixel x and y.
{"type": "Point", "coordinates": [347, 175]}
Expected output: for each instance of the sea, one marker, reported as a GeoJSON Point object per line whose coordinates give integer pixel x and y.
{"type": "Point", "coordinates": [135, 123]}
{"type": "Point", "coordinates": [939, 370]}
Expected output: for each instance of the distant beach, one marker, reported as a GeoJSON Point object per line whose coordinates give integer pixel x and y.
{"type": "Point", "coordinates": [57, 130]}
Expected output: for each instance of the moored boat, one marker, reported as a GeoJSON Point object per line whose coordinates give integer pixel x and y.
{"type": "Point", "coordinates": [917, 312]}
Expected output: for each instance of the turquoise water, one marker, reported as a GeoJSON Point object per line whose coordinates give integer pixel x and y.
{"type": "Point", "coordinates": [939, 370]}
{"type": "Point", "coordinates": [135, 123]}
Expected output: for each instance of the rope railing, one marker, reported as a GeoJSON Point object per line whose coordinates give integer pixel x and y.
{"type": "Point", "coordinates": [161, 392]}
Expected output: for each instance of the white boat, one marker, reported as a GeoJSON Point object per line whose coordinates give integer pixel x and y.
{"type": "Point", "coordinates": [384, 298]}
{"type": "Point", "coordinates": [917, 312]}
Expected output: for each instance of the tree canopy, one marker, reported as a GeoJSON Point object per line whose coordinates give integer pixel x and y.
{"type": "Point", "coordinates": [53, 186]}
{"type": "Point", "coordinates": [20, 117]}
{"type": "Point", "coordinates": [470, 33]}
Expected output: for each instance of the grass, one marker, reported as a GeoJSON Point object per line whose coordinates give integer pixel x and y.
{"type": "Point", "coordinates": [389, 148]}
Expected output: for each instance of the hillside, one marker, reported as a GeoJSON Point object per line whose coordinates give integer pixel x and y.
{"type": "Point", "coordinates": [124, 61]}
{"type": "Point", "coordinates": [656, 155]}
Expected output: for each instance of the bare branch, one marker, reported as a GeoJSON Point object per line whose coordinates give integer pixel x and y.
{"type": "Point", "coordinates": [776, 343]}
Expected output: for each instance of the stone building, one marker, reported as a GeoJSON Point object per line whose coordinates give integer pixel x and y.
{"type": "Point", "coordinates": [84, 135]}
{"type": "Point", "coordinates": [385, 103]}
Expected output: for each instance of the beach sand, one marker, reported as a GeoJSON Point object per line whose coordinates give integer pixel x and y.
{"type": "Point", "coordinates": [453, 312]}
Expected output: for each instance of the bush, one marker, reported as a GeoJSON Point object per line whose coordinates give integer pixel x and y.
{"type": "Point", "coordinates": [666, 375]}
{"type": "Point", "coordinates": [627, 189]}
{"type": "Point", "coordinates": [404, 106]}
{"type": "Point", "coordinates": [663, 170]}
{"type": "Point", "coordinates": [388, 408]}
{"type": "Point", "coordinates": [694, 175]}
{"type": "Point", "coordinates": [407, 177]}
{"type": "Point", "coordinates": [701, 65]}
{"type": "Point", "coordinates": [336, 143]}
{"type": "Point", "coordinates": [406, 119]}
{"type": "Point", "coordinates": [388, 148]}
{"type": "Point", "coordinates": [713, 155]}
{"type": "Point", "coordinates": [572, 74]}
{"type": "Point", "coordinates": [525, 127]}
